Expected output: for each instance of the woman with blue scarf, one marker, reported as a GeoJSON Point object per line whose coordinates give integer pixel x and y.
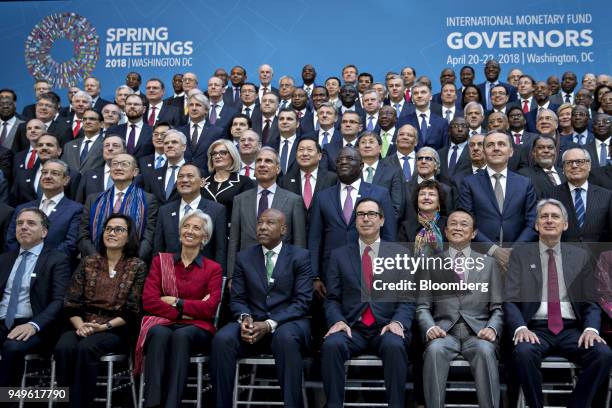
{"type": "Point", "coordinates": [425, 224]}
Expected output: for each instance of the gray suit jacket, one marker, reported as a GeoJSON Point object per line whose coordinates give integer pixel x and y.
{"type": "Point", "coordinates": [10, 137]}
{"type": "Point", "coordinates": [479, 309]}
{"type": "Point", "coordinates": [244, 221]}
{"type": "Point", "coordinates": [72, 155]}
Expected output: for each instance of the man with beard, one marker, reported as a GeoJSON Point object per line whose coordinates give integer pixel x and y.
{"type": "Point", "coordinates": [543, 173]}
{"type": "Point", "coordinates": [138, 135]}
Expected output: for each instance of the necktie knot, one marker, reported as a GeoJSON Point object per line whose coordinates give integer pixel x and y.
{"type": "Point", "coordinates": [349, 189]}
{"type": "Point", "coordinates": [308, 176]}
{"type": "Point", "coordinates": [455, 147]}
{"type": "Point", "coordinates": [265, 193]}
{"type": "Point", "coordinates": [186, 209]}
{"type": "Point", "coordinates": [497, 176]}
{"type": "Point", "coordinates": [550, 252]}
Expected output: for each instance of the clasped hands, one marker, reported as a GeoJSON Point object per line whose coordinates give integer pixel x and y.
{"type": "Point", "coordinates": [251, 332]}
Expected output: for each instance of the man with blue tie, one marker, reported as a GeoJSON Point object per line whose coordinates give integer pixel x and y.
{"type": "Point", "coordinates": [33, 280]}
{"type": "Point", "coordinates": [371, 105]}
{"type": "Point", "coordinates": [492, 70]}
{"type": "Point", "coordinates": [404, 157]}
{"type": "Point", "coordinates": [397, 97]}
{"type": "Point", "coordinates": [433, 130]}
{"type": "Point", "coordinates": [548, 309]}
{"type": "Point", "coordinates": [286, 144]}
{"type": "Point", "coordinates": [332, 222]}
{"type": "Point", "coordinates": [161, 182]}
{"type": "Point", "coordinates": [158, 158]}
{"type": "Point", "coordinates": [503, 202]}
{"type": "Point", "coordinates": [271, 293]}
{"type": "Point", "coordinates": [327, 116]}
{"type": "Point", "coordinates": [357, 326]}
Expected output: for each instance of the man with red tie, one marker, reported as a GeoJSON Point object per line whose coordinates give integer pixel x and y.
{"type": "Point", "coordinates": [548, 312]}
{"type": "Point", "coordinates": [357, 326]}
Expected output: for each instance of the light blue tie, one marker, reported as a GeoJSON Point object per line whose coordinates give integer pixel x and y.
{"type": "Point", "coordinates": [370, 126]}
{"type": "Point", "coordinates": [284, 156]}
{"type": "Point", "coordinates": [11, 310]}
{"type": "Point", "coordinates": [159, 162]}
{"type": "Point", "coordinates": [406, 168]}
{"type": "Point", "coordinates": [325, 138]}
{"type": "Point", "coordinates": [397, 109]}
{"type": "Point", "coordinates": [186, 210]}
{"type": "Point", "coordinates": [423, 126]}
{"type": "Point", "coordinates": [579, 205]}
{"type": "Point", "coordinates": [603, 154]}
{"type": "Point", "coordinates": [171, 181]}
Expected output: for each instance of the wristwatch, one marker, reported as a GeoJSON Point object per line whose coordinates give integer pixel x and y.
{"type": "Point", "coordinates": [109, 325]}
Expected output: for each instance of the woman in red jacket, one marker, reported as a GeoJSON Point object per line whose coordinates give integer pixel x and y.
{"type": "Point", "coordinates": [181, 295]}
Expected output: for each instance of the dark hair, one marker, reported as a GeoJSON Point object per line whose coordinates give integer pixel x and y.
{"type": "Point", "coordinates": [310, 139]}
{"type": "Point", "coordinates": [158, 124]}
{"type": "Point", "coordinates": [463, 102]}
{"type": "Point", "coordinates": [533, 81]}
{"type": "Point", "coordinates": [251, 84]}
{"type": "Point", "coordinates": [44, 220]}
{"type": "Point", "coordinates": [467, 67]}
{"type": "Point", "coordinates": [98, 114]}
{"type": "Point", "coordinates": [140, 78]}
{"type": "Point", "coordinates": [366, 133]}
{"type": "Point", "coordinates": [239, 67]}
{"type": "Point", "coordinates": [542, 137]}
{"type": "Point", "coordinates": [53, 97]}
{"type": "Point", "coordinates": [243, 116]}
{"type": "Point", "coordinates": [596, 104]}
{"type": "Point", "coordinates": [290, 110]}
{"type": "Point", "coordinates": [513, 108]}
{"type": "Point", "coordinates": [370, 199]}
{"type": "Point", "coordinates": [463, 210]}
{"type": "Point", "coordinates": [335, 78]}
{"type": "Point", "coordinates": [151, 80]}
{"type": "Point", "coordinates": [130, 250]}
{"type": "Point", "coordinates": [430, 184]}
{"type": "Point", "coordinates": [366, 74]}
{"type": "Point", "coordinates": [321, 87]}
{"type": "Point", "coordinates": [11, 92]}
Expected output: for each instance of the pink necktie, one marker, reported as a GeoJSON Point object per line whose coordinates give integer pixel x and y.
{"type": "Point", "coordinates": [307, 190]}
{"type": "Point", "coordinates": [555, 322]}
{"type": "Point", "coordinates": [347, 209]}
{"type": "Point", "coordinates": [367, 317]}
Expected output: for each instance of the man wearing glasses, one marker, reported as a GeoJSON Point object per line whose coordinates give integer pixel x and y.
{"type": "Point", "coordinates": [589, 206]}
{"type": "Point", "coordinates": [85, 152]}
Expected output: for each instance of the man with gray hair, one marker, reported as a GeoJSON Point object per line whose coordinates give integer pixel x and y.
{"type": "Point", "coordinates": [121, 93]}
{"type": "Point", "coordinates": [266, 73]}
{"type": "Point", "coordinates": [589, 206]}
{"type": "Point", "coordinates": [474, 116]}
{"type": "Point", "coordinates": [64, 214]}
{"type": "Point", "coordinates": [81, 101]}
{"type": "Point", "coordinates": [286, 86]}
{"type": "Point", "coordinates": [161, 182]}
{"type": "Point", "coordinates": [250, 204]}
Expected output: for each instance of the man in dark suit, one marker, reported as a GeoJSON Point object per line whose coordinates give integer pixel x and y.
{"type": "Point", "coordinates": [177, 88]}
{"type": "Point", "coordinates": [332, 222]}
{"type": "Point", "coordinates": [85, 152]}
{"type": "Point", "coordinates": [266, 73]}
{"type": "Point", "coordinates": [371, 105]}
{"type": "Point", "coordinates": [308, 177]}
{"type": "Point", "coordinates": [266, 124]}
{"type": "Point", "coordinates": [92, 86]}
{"type": "Point", "coordinates": [41, 86]}
{"type": "Point", "coordinates": [26, 184]}
{"type": "Point", "coordinates": [270, 295]}
{"type": "Point", "coordinates": [541, 94]}
{"type": "Point", "coordinates": [156, 160]}
{"type": "Point", "coordinates": [161, 182]}
{"type": "Point", "coordinates": [98, 180]}
{"type": "Point", "coordinates": [157, 110]}
{"type": "Point", "coordinates": [448, 106]}
{"type": "Point", "coordinates": [286, 143]}
{"type": "Point", "coordinates": [199, 131]}
{"type": "Point", "coordinates": [33, 280]}
{"type": "Point", "coordinates": [378, 172]}
{"type": "Point", "coordinates": [503, 202]}
{"type": "Point", "coordinates": [220, 112]}
{"type": "Point", "coordinates": [6, 164]}
{"type": "Point", "coordinates": [455, 157]}
{"type": "Point", "coordinates": [387, 130]}
{"type": "Point", "coordinates": [589, 206]}
{"type": "Point", "coordinates": [547, 310]}
{"type": "Point", "coordinates": [602, 176]}
{"type": "Point", "coordinates": [251, 203]}
{"type": "Point", "coordinates": [136, 133]}
{"type": "Point", "coordinates": [433, 130]}
{"type": "Point", "coordinates": [543, 173]}
{"type": "Point", "coordinates": [447, 76]}
{"type": "Point", "coordinates": [474, 115]}
{"type": "Point", "coordinates": [123, 197]}
{"type": "Point", "coordinates": [47, 108]}
{"type": "Point", "coordinates": [350, 127]}
{"type": "Point", "coordinates": [350, 101]}
{"type": "Point", "coordinates": [582, 135]}
{"type": "Point", "coordinates": [601, 145]}
{"type": "Point", "coordinates": [189, 181]}
{"type": "Point", "coordinates": [249, 104]}
{"type": "Point", "coordinates": [357, 326]}
{"type": "Point", "coordinates": [492, 70]}
{"type": "Point", "coordinates": [566, 94]}
{"type": "Point", "coordinates": [63, 213]}
{"type": "Point", "coordinates": [397, 98]}
{"type": "Point", "coordinates": [326, 119]}
{"type": "Point", "coordinates": [189, 81]}
{"type": "Point", "coordinates": [231, 96]}
{"type": "Point", "coordinates": [466, 323]}
{"type": "Point", "coordinates": [9, 122]}
{"type": "Point", "coordinates": [81, 101]}
{"type": "Point", "coordinates": [404, 157]}
{"type": "Point", "coordinates": [299, 103]}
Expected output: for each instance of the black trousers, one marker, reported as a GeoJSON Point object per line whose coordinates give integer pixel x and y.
{"type": "Point", "coordinates": [595, 362]}
{"type": "Point", "coordinates": [167, 351]}
{"type": "Point", "coordinates": [288, 342]}
{"type": "Point", "coordinates": [77, 360]}
{"type": "Point", "coordinates": [13, 351]}
{"type": "Point", "coordinates": [392, 349]}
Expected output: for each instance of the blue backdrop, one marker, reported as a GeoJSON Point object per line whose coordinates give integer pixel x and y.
{"type": "Point", "coordinates": [66, 40]}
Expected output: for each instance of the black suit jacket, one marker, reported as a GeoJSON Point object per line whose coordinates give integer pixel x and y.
{"type": "Point", "coordinates": [169, 114]}
{"type": "Point", "coordinates": [463, 162]}
{"type": "Point", "coordinates": [155, 183]}
{"type": "Point", "coordinates": [391, 178]}
{"type": "Point", "coordinates": [6, 214]}
{"type": "Point", "coordinates": [59, 128]}
{"type": "Point", "coordinates": [258, 125]}
{"type": "Point", "coordinates": [198, 154]}
{"type": "Point", "coordinates": [523, 286]}
{"type": "Point", "coordinates": [541, 183]}
{"type": "Point", "coordinates": [91, 182]}
{"type": "Point", "coordinates": [86, 244]}
{"type": "Point", "coordinates": [410, 188]}
{"type": "Point", "coordinates": [100, 103]}
{"type": "Point", "coordinates": [167, 230]}
{"type": "Point", "coordinates": [24, 190]}
{"type": "Point", "coordinates": [597, 225]}
{"type": "Point", "coordinates": [29, 112]}
{"type": "Point", "coordinates": [144, 146]}
{"type": "Point", "coordinates": [602, 176]}
{"type": "Point", "coordinates": [50, 279]}
{"type": "Point", "coordinates": [6, 162]}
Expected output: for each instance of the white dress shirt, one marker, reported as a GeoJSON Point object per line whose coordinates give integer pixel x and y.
{"type": "Point", "coordinates": [364, 172]}
{"type": "Point", "coordinates": [411, 160]}
{"type": "Point", "coordinates": [272, 191]}
{"type": "Point", "coordinates": [193, 204]}
{"type": "Point", "coordinates": [502, 180]}
{"type": "Point", "coordinates": [354, 192]}
{"type": "Point", "coordinates": [598, 147]}
{"type": "Point", "coordinates": [158, 106]}
{"type": "Point", "coordinates": [92, 140]}
{"type": "Point", "coordinates": [138, 130]}
{"type": "Point", "coordinates": [313, 179]}
{"type": "Point", "coordinates": [54, 201]}
{"type": "Point", "coordinates": [169, 172]}
{"type": "Point", "coordinates": [583, 194]}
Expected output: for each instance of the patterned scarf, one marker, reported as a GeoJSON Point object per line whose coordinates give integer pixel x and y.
{"type": "Point", "coordinates": [169, 288]}
{"type": "Point", "coordinates": [134, 204]}
{"type": "Point", "coordinates": [429, 238]}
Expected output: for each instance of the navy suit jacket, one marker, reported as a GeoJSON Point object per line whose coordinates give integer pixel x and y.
{"type": "Point", "coordinates": [436, 135]}
{"type": "Point", "coordinates": [307, 122]}
{"type": "Point", "coordinates": [345, 291]}
{"type": "Point", "coordinates": [523, 286]}
{"type": "Point", "coordinates": [91, 182]}
{"type": "Point", "coordinates": [63, 229]}
{"type": "Point", "coordinates": [532, 115]}
{"type": "Point", "coordinates": [198, 154]}
{"type": "Point", "coordinates": [145, 140]}
{"type": "Point", "coordinates": [463, 162]}
{"type": "Point", "coordinates": [328, 230]}
{"type": "Point", "coordinates": [23, 189]}
{"type": "Point", "coordinates": [510, 91]}
{"type": "Point", "coordinates": [169, 114]}
{"type": "Point", "coordinates": [100, 103]}
{"type": "Point", "coordinates": [167, 230]}
{"type": "Point", "coordinates": [225, 116]}
{"type": "Point", "coordinates": [155, 182]}
{"type": "Point", "coordinates": [285, 298]}
{"type": "Point", "coordinates": [391, 178]}
{"type": "Point", "coordinates": [50, 279]}
{"type": "Point", "coordinates": [519, 213]}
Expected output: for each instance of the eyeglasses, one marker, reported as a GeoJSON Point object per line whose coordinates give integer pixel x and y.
{"type": "Point", "coordinates": [425, 158]}
{"type": "Point", "coordinates": [116, 230]}
{"type": "Point", "coordinates": [369, 214]}
{"type": "Point", "coordinates": [123, 164]}
{"type": "Point", "coordinates": [601, 122]}
{"type": "Point", "coordinates": [577, 162]}
{"type": "Point", "coordinates": [220, 153]}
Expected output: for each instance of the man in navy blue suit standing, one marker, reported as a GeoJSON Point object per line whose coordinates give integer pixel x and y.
{"type": "Point", "coordinates": [433, 130]}
{"type": "Point", "coordinates": [356, 326]}
{"type": "Point", "coordinates": [492, 70]}
{"type": "Point", "coordinates": [502, 201]}
{"type": "Point", "coordinates": [270, 296]}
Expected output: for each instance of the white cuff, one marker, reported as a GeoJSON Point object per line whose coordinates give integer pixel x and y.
{"type": "Point", "coordinates": [273, 325]}
{"type": "Point", "coordinates": [593, 330]}
{"type": "Point", "coordinates": [516, 331]}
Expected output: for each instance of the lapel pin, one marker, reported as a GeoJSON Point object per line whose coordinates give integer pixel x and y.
{"type": "Point", "coordinates": [293, 180]}
{"type": "Point", "coordinates": [173, 214]}
{"type": "Point", "coordinates": [75, 146]}
{"type": "Point", "coordinates": [532, 266]}
{"type": "Point", "coordinates": [159, 177]}
{"type": "Point", "coordinates": [33, 275]}
{"type": "Point", "coordinates": [28, 180]}
{"type": "Point", "coordinates": [94, 177]}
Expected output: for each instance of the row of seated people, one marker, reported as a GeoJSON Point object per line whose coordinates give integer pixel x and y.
{"type": "Point", "coordinates": [543, 304]}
